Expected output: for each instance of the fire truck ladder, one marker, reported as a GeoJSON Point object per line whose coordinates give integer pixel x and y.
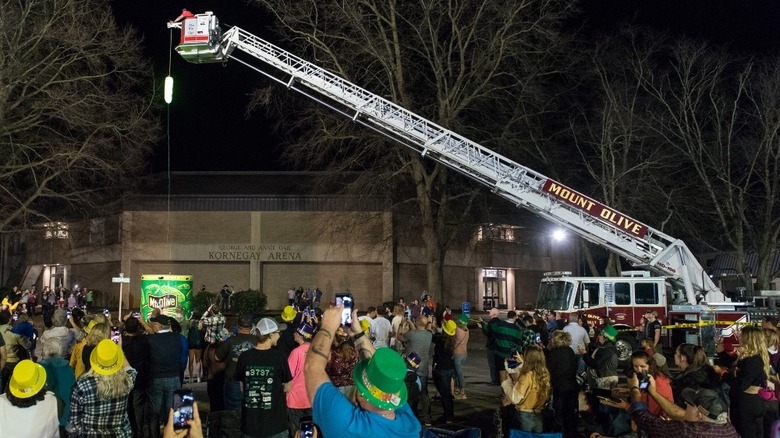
{"type": "Point", "coordinates": [521, 185]}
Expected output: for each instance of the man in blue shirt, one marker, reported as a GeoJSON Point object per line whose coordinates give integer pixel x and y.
{"type": "Point", "coordinates": [380, 409]}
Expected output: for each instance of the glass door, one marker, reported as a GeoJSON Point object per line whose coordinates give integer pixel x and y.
{"type": "Point", "coordinates": [495, 288]}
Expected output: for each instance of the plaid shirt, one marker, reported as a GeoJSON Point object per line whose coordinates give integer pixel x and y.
{"type": "Point", "coordinates": [656, 426]}
{"type": "Point", "coordinates": [92, 417]}
{"type": "Point", "coordinates": [212, 325]}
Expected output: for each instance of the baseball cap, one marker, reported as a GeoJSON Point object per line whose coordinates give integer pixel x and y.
{"type": "Point", "coordinates": [266, 326]}
{"type": "Point", "coordinates": [707, 401]}
{"type": "Point", "coordinates": [245, 320]}
{"type": "Point", "coordinates": [162, 319]}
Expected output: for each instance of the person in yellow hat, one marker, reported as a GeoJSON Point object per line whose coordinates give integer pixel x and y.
{"type": "Point", "coordinates": [444, 367]}
{"type": "Point", "coordinates": [27, 409]}
{"type": "Point", "coordinates": [98, 403]}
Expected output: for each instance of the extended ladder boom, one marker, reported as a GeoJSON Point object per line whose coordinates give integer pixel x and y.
{"type": "Point", "coordinates": [594, 221]}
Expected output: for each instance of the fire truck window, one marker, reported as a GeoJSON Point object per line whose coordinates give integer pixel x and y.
{"type": "Point", "coordinates": [622, 293]}
{"type": "Point", "coordinates": [593, 293]}
{"type": "Point", "coordinates": [646, 293]}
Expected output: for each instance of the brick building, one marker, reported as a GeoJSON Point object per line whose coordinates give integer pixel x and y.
{"type": "Point", "coordinates": [267, 231]}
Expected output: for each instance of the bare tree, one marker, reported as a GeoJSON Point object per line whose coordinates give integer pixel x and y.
{"type": "Point", "coordinates": [75, 119]}
{"type": "Point", "coordinates": [624, 163]}
{"type": "Point", "coordinates": [467, 65]}
{"type": "Point", "coordinates": [723, 113]}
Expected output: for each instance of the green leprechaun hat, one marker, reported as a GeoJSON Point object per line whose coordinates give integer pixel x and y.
{"type": "Point", "coordinates": [380, 380]}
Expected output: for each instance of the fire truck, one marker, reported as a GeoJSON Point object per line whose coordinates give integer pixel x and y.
{"type": "Point", "coordinates": [680, 290]}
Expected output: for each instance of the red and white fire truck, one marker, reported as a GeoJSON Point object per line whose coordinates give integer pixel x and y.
{"type": "Point", "coordinates": [680, 290]}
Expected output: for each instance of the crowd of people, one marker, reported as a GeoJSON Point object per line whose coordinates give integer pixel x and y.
{"type": "Point", "coordinates": [571, 383]}
{"type": "Point", "coordinates": [86, 375]}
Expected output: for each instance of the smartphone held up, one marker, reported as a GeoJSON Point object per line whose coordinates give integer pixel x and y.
{"type": "Point", "coordinates": [182, 408]}
{"type": "Point", "coordinates": [115, 334]}
{"type": "Point", "coordinates": [346, 301]}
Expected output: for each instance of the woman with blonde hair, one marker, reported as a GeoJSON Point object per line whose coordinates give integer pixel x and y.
{"type": "Point", "coordinates": [531, 391]}
{"type": "Point", "coordinates": [769, 392]}
{"type": "Point", "coordinates": [98, 333]}
{"type": "Point", "coordinates": [98, 402]}
{"type": "Point", "coordinates": [563, 380]}
{"type": "Point", "coordinates": [395, 324]}
{"type": "Point", "coordinates": [459, 354]}
{"type": "Point", "coordinates": [745, 379]}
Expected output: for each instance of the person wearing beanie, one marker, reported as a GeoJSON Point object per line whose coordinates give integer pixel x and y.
{"type": "Point", "coordinates": [380, 407]}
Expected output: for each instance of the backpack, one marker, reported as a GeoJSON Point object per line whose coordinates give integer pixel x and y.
{"type": "Point", "coordinates": [411, 385]}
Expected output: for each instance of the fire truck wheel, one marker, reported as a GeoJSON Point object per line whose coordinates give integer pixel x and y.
{"type": "Point", "coordinates": [625, 345]}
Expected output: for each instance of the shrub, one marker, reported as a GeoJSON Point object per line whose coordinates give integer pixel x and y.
{"type": "Point", "coordinates": [201, 301]}
{"type": "Point", "coordinates": [249, 301]}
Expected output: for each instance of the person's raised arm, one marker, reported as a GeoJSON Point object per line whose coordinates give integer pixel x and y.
{"type": "Point", "coordinates": [319, 351]}
{"type": "Point", "coordinates": [363, 343]}
{"type": "Point", "coordinates": [672, 410]}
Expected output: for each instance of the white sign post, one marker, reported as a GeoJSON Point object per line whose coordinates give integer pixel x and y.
{"type": "Point", "coordinates": [121, 280]}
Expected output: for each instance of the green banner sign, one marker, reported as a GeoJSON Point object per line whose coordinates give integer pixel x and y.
{"type": "Point", "coordinates": [165, 292]}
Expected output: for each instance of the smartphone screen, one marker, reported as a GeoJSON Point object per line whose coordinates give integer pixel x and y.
{"type": "Point", "coordinates": [115, 334]}
{"type": "Point", "coordinates": [346, 301]}
{"type": "Point", "coordinates": [538, 338]}
{"type": "Point", "coordinates": [182, 408]}
{"type": "Point", "coordinates": [307, 429]}
{"type": "Point", "coordinates": [643, 384]}
{"type": "Point", "coordinates": [311, 313]}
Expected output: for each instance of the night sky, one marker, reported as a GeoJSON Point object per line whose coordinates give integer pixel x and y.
{"type": "Point", "coordinates": [210, 131]}
{"type": "Point", "coordinates": [208, 126]}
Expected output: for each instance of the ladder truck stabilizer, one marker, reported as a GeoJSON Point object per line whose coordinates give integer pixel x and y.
{"type": "Point", "coordinates": [641, 244]}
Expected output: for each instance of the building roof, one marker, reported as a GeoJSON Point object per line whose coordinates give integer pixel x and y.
{"type": "Point", "coordinates": [725, 264]}
{"type": "Point", "coordinates": [250, 191]}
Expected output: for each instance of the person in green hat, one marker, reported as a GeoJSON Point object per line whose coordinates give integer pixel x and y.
{"type": "Point", "coordinates": [459, 354]}
{"type": "Point", "coordinates": [602, 373]}
{"type": "Point", "coordinates": [603, 362]}
{"type": "Point", "coordinates": [379, 405]}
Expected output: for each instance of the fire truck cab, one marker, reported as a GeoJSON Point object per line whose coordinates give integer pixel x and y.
{"type": "Point", "coordinates": [623, 300]}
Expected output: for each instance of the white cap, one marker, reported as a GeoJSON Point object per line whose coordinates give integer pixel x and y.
{"type": "Point", "coordinates": [266, 326]}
